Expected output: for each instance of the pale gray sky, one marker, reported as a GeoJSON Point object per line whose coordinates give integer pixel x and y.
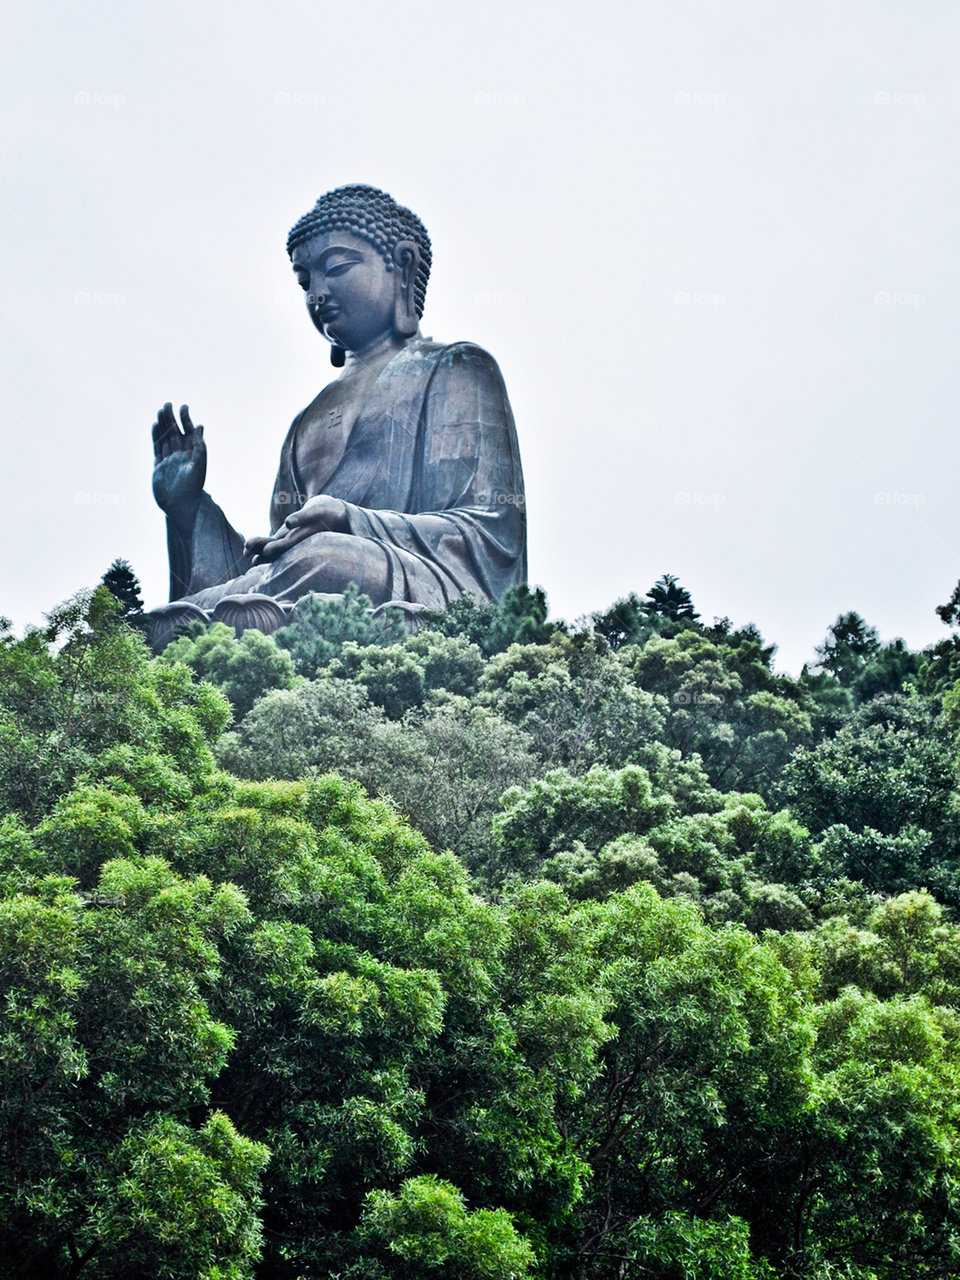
{"type": "Point", "coordinates": [580, 167]}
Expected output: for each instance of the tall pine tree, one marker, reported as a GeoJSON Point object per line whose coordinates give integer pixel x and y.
{"type": "Point", "coordinates": [123, 585]}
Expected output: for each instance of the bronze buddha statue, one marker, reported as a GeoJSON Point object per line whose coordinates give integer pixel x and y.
{"type": "Point", "coordinates": [403, 476]}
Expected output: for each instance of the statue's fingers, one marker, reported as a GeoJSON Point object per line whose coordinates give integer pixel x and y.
{"type": "Point", "coordinates": [273, 548]}
{"type": "Point", "coordinates": [193, 436]}
{"type": "Point", "coordinates": [290, 538]}
{"type": "Point", "coordinates": [168, 421]}
{"type": "Point", "coordinates": [163, 446]}
{"type": "Point", "coordinates": [172, 442]}
{"type": "Point", "coordinates": [175, 431]}
{"type": "Point", "coordinates": [266, 553]}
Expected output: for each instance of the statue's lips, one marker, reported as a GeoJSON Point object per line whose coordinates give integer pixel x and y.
{"type": "Point", "coordinates": [327, 314]}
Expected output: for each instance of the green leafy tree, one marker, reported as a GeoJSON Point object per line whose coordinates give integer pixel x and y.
{"type": "Point", "coordinates": [401, 677]}
{"type": "Point", "coordinates": [200, 972]}
{"type": "Point", "coordinates": [178, 1200]}
{"type": "Point", "coordinates": [906, 946]}
{"type": "Point", "coordinates": [893, 669]}
{"type": "Point", "coordinates": [261, 1028]}
{"type": "Point", "coordinates": [625, 622]}
{"type": "Point", "coordinates": [667, 599]}
{"type": "Point", "coordinates": [602, 833]}
{"type": "Point", "coordinates": [124, 586]}
{"type": "Point", "coordinates": [832, 702]}
{"type": "Point", "coordinates": [319, 627]}
{"type": "Point", "coordinates": [427, 1228]}
{"type": "Point", "coordinates": [85, 687]}
{"type": "Point", "coordinates": [244, 670]}
{"type": "Point", "coordinates": [445, 765]}
{"type": "Point", "coordinates": [855, 667]}
{"type": "Point", "coordinates": [557, 810]}
{"type": "Point", "coordinates": [320, 726]}
{"type": "Point", "coordinates": [519, 618]}
{"type": "Point", "coordinates": [392, 678]}
{"type": "Point", "coordinates": [681, 1247]}
{"type": "Point", "coordinates": [726, 704]}
{"type": "Point", "coordinates": [107, 1036]}
{"type": "Point", "coordinates": [850, 645]}
{"type": "Point", "coordinates": [881, 798]}
{"type": "Point", "coordinates": [888, 1078]}
{"type": "Point", "coordinates": [940, 668]}
{"type": "Point", "coordinates": [679, 1122]}
{"type": "Point", "coordinates": [452, 664]}
{"type": "Point", "coordinates": [575, 700]}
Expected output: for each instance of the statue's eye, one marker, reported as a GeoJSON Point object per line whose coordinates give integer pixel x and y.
{"type": "Point", "coordinates": [339, 268]}
{"type": "Point", "coordinates": [303, 282]}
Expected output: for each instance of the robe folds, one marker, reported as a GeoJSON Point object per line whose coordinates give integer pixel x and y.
{"type": "Point", "coordinates": [434, 491]}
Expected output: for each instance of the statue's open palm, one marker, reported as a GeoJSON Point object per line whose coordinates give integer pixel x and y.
{"type": "Point", "coordinates": [180, 465]}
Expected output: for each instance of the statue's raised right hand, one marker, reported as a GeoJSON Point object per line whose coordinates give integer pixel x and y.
{"type": "Point", "coordinates": [179, 466]}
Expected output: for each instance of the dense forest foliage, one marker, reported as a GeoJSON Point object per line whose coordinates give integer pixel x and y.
{"type": "Point", "coordinates": [499, 949]}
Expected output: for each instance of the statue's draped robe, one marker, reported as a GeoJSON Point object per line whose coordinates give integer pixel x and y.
{"type": "Point", "coordinates": [434, 492]}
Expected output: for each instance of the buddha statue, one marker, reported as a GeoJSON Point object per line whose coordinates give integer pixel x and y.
{"type": "Point", "coordinates": [402, 477]}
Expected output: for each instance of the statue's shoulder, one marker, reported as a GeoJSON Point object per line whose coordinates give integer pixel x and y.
{"type": "Point", "coordinates": [453, 356]}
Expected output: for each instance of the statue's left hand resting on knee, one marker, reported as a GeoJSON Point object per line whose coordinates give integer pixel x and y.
{"type": "Point", "coordinates": [403, 476]}
{"type": "Point", "coordinates": [317, 515]}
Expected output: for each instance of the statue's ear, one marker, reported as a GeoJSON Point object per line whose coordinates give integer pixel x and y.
{"type": "Point", "coordinates": [406, 255]}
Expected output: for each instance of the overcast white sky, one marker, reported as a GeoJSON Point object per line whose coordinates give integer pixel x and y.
{"type": "Point", "coordinates": [579, 167]}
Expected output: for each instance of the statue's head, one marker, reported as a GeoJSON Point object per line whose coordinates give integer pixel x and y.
{"type": "Point", "coordinates": [363, 261]}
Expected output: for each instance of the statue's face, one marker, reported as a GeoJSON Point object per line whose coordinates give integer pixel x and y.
{"type": "Point", "coordinates": [350, 292]}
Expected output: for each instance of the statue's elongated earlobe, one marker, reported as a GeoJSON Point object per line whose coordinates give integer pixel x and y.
{"type": "Point", "coordinates": [405, 318]}
{"type": "Point", "coordinates": [338, 357]}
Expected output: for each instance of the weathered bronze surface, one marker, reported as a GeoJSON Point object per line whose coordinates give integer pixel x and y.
{"type": "Point", "coordinates": [403, 476]}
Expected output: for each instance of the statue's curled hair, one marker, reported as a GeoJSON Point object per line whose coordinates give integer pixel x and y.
{"type": "Point", "coordinates": [374, 216]}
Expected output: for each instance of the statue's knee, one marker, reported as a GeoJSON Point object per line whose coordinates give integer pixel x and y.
{"type": "Point", "coordinates": [342, 558]}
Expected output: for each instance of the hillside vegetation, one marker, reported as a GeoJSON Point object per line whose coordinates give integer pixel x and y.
{"type": "Point", "coordinates": [503, 949]}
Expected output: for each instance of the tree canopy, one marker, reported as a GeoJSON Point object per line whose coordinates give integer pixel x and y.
{"type": "Point", "coordinates": [512, 951]}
